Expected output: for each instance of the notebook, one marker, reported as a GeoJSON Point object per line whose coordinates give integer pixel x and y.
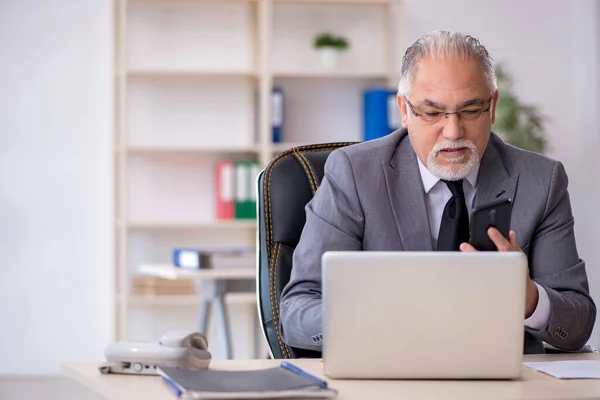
{"type": "Point", "coordinates": [284, 381]}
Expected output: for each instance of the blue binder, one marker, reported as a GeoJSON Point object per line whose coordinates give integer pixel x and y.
{"type": "Point", "coordinates": [277, 110]}
{"type": "Point", "coordinates": [380, 112]}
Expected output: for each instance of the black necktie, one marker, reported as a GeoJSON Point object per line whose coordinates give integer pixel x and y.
{"type": "Point", "coordinates": [454, 228]}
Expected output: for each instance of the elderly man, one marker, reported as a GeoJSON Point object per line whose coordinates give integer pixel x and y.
{"type": "Point", "coordinates": [413, 190]}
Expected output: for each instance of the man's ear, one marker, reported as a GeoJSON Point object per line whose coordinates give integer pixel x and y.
{"type": "Point", "coordinates": [403, 110]}
{"type": "Point", "coordinates": [493, 106]}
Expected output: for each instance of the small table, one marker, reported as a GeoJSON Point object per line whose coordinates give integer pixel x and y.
{"type": "Point", "coordinates": [215, 284]}
{"type": "Point", "coordinates": [531, 385]}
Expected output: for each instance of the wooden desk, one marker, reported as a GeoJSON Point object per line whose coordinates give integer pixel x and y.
{"type": "Point", "coordinates": [214, 285]}
{"type": "Point", "coordinates": [531, 385]}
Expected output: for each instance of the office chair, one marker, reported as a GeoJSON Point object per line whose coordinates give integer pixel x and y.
{"type": "Point", "coordinates": [286, 185]}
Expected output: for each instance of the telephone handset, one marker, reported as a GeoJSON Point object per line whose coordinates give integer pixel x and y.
{"type": "Point", "coordinates": [175, 349]}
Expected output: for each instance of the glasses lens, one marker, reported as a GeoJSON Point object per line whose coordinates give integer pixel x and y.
{"type": "Point", "coordinates": [470, 114]}
{"type": "Point", "coordinates": [432, 116]}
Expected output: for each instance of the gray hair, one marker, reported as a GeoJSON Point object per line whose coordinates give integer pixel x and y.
{"type": "Point", "coordinates": [441, 44]}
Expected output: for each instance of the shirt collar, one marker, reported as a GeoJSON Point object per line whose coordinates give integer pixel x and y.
{"type": "Point", "coordinates": [430, 180]}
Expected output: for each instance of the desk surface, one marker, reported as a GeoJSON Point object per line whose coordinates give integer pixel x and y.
{"type": "Point", "coordinates": [531, 385]}
{"type": "Point", "coordinates": [167, 271]}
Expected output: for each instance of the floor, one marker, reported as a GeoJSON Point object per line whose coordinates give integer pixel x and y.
{"type": "Point", "coordinates": [46, 388]}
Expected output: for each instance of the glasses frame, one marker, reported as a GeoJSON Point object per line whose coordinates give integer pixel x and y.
{"type": "Point", "coordinates": [445, 114]}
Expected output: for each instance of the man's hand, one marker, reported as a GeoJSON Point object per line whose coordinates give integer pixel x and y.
{"type": "Point", "coordinates": [531, 298]}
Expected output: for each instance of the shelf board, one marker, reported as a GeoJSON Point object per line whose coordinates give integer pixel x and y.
{"type": "Point", "coordinates": [331, 74]}
{"type": "Point", "coordinates": [233, 224]}
{"type": "Point", "coordinates": [184, 300]}
{"type": "Point", "coordinates": [350, 2]}
{"type": "Point", "coordinates": [173, 72]}
{"type": "Point", "coordinates": [189, 149]}
{"type": "Point", "coordinates": [196, 1]}
{"type": "Point", "coordinates": [168, 271]}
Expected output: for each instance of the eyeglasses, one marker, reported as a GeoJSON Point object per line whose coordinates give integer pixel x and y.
{"type": "Point", "coordinates": [433, 116]}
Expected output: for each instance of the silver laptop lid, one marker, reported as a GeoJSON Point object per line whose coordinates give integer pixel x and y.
{"type": "Point", "coordinates": [423, 314]}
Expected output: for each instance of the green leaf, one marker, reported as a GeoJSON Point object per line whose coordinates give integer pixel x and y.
{"type": "Point", "coordinates": [327, 39]}
{"type": "Point", "coordinates": [521, 125]}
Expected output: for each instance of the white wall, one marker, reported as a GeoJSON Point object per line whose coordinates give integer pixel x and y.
{"type": "Point", "coordinates": [553, 49]}
{"type": "Point", "coordinates": [55, 183]}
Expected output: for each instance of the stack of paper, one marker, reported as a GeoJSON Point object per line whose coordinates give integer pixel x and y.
{"type": "Point", "coordinates": [581, 369]}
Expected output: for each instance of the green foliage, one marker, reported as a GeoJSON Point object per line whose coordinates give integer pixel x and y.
{"type": "Point", "coordinates": [329, 40]}
{"type": "Point", "coordinates": [519, 124]}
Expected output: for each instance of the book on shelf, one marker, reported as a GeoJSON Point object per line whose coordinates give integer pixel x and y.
{"type": "Point", "coordinates": [277, 108]}
{"type": "Point", "coordinates": [235, 190]}
{"type": "Point", "coordinates": [225, 200]}
{"type": "Point", "coordinates": [243, 192]}
{"type": "Point", "coordinates": [277, 113]}
{"type": "Point", "coordinates": [146, 285]}
{"type": "Point", "coordinates": [217, 258]}
{"type": "Point", "coordinates": [381, 113]}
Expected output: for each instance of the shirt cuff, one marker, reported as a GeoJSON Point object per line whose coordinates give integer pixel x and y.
{"type": "Point", "coordinates": [540, 317]}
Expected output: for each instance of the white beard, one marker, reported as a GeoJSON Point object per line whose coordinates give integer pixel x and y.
{"type": "Point", "coordinates": [462, 166]}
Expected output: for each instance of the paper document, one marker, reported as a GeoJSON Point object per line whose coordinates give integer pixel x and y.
{"type": "Point", "coordinates": [581, 369]}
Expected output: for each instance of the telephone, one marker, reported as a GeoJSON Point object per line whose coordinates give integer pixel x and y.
{"type": "Point", "coordinates": [175, 349]}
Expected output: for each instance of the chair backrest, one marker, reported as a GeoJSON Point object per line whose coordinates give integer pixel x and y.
{"type": "Point", "coordinates": [284, 187]}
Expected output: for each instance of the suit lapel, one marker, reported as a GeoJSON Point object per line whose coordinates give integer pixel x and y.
{"type": "Point", "coordinates": [407, 198]}
{"type": "Point", "coordinates": [494, 182]}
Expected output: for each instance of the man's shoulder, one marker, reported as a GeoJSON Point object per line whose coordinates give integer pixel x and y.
{"type": "Point", "coordinates": [373, 151]}
{"type": "Point", "coordinates": [524, 162]}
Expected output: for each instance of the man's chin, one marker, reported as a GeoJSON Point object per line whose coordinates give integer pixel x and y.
{"type": "Point", "coordinates": [451, 171]}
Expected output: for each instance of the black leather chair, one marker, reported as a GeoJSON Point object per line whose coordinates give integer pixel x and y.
{"type": "Point", "coordinates": [284, 188]}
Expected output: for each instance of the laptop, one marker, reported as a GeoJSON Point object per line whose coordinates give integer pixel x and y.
{"type": "Point", "coordinates": [423, 315]}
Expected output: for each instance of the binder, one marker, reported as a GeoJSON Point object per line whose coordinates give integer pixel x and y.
{"type": "Point", "coordinates": [277, 114]}
{"type": "Point", "coordinates": [245, 193]}
{"type": "Point", "coordinates": [206, 258]}
{"type": "Point", "coordinates": [381, 113]}
{"type": "Point", "coordinates": [224, 179]}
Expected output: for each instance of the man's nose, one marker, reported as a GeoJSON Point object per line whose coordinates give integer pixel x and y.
{"type": "Point", "coordinates": [453, 129]}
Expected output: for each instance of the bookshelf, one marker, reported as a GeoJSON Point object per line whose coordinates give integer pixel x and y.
{"type": "Point", "coordinates": [174, 72]}
{"type": "Point", "coordinates": [192, 149]}
{"type": "Point", "coordinates": [193, 85]}
{"type": "Point", "coordinates": [185, 300]}
{"type": "Point", "coordinates": [193, 225]}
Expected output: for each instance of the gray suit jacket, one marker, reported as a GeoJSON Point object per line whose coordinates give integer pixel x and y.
{"type": "Point", "coordinates": [372, 198]}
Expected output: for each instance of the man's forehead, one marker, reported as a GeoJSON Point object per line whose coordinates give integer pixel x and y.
{"type": "Point", "coordinates": [453, 75]}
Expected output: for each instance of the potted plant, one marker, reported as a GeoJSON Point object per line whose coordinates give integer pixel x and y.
{"type": "Point", "coordinates": [519, 124]}
{"type": "Point", "coordinates": [329, 47]}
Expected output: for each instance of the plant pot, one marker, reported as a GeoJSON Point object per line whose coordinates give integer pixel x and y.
{"type": "Point", "coordinates": [329, 57]}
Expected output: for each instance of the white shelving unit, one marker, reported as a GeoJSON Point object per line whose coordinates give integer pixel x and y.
{"type": "Point", "coordinates": [185, 300]}
{"type": "Point", "coordinates": [193, 81]}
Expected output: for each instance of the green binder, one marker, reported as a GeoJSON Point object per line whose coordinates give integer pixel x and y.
{"type": "Point", "coordinates": [245, 193]}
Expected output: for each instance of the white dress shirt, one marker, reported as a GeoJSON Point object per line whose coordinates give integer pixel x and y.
{"type": "Point", "coordinates": [437, 195]}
